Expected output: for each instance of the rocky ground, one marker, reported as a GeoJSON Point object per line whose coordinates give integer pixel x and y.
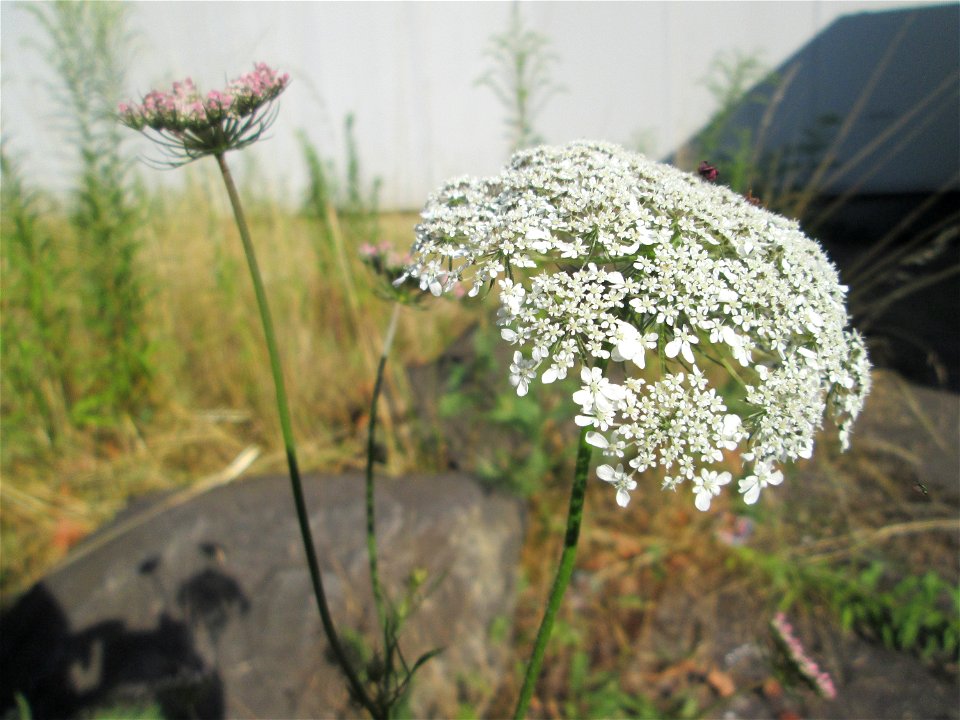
{"type": "Point", "coordinates": [675, 607]}
{"type": "Point", "coordinates": [204, 608]}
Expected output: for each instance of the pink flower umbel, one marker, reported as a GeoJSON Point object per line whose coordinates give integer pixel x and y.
{"type": "Point", "coordinates": [188, 124]}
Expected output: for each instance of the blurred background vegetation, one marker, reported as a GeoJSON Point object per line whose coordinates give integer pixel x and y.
{"type": "Point", "coordinates": [131, 361]}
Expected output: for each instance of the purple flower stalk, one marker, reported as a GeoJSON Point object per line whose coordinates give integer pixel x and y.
{"type": "Point", "coordinates": [189, 125]}
{"type": "Point", "coordinates": [820, 679]}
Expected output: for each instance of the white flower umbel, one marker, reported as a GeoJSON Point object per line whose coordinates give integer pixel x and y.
{"type": "Point", "coordinates": [603, 256]}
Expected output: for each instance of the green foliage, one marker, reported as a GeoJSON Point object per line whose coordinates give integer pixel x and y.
{"type": "Point", "coordinates": [520, 78]}
{"type": "Point", "coordinates": [129, 712]}
{"type": "Point", "coordinates": [34, 322]}
{"type": "Point", "coordinates": [919, 614]}
{"type": "Point", "coordinates": [385, 671]}
{"type": "Point", "coordinates": [356, 208]}
{"type": "Point", "coordinates": [529, 451]}
{"type": "Point", "coordinates": [596, 693]}
{"type": "Point", "coordinates": [499, 630]}
{"type": "Point", "coordinates": [320, 188]}
{"type": "Point", "coordinates": [23, 707]}
{"type": "Point", "coordinates": [346, 218]}
{"type": "Point", "coordinates": [87, 44]}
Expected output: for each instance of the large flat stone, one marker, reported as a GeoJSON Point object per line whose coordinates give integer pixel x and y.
{"type": "Point", "coordinates": [207, 606]}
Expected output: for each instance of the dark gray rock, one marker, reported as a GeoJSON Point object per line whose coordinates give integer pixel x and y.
{"type": "Point", "coordinates": [207, 608]}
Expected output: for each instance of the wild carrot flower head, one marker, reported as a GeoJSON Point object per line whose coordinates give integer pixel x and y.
{"type": "Point", "coordinates": [189, 124]}
{"type": "Point", "coordinates": [602, 255]}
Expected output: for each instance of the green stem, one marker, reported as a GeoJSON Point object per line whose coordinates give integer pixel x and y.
{"type": "Point", "coordinates": [286, 427]}
{"type": "Point", "coordinates": [371, 530]}
{"type": "Point", "coordinates": [564, 571]}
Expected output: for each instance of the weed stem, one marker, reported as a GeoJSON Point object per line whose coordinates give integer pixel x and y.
{"type": "Point", "coordinates": [371, 530]}
{"type": "Point", "coordinates": [564, 572]}
{"type": "Point", "coordinates": [356, 686]}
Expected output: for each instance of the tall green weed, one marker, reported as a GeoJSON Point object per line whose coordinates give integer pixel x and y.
{"type": "Point", "coordinates": [357, 207]}
{"type": "Point", "coordinates": [86, 47]}
{"type": "Point", "coordinates": [520, 77]}
{"type": "Point", "coordinates": [34, 322]}
{"type": "Point", "coordinates": [345, 217]}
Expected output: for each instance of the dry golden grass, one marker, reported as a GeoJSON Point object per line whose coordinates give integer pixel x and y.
{"type": "Point", "coordinates": [211, 388]}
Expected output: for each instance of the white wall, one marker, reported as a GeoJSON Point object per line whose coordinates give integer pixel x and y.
{"type": "Point", "coordinates": [407, 71]}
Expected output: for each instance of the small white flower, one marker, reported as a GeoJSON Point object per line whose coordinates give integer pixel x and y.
{"type": "Point", "coordinates": [629, 344]}
{"type": "Point", "coordinates": [621, 480]}
{"type": "Point", "coordinates": [596, 390]}
{"type": "Point", "coordinates": [615, 278]}
{"type": "Point", "coordinates": [682, 340]}
{"type": "Point", "coordinates": [764, 475]}
{"type": "Point", "coordinates": [602, 415]}
{"type": "Point", "coordinates": [671, 483]}
{"type": "Point", "coordinates": [707, 485]}
{"type": "Point", "coordinates": [726, 295]}
{"type": "Point", "coordinates": [737, 343]}
{"type": "Point", "coordinates": [522, 371]}
{"type": "Point", "coordinates": [814, 320]}
{"type": "Point", "coordinates": [845, 438]}
{"type": "Point", "coordinates": [731, 433]}
{"type": "Point", "coordinates": [511, 296]}
{"type": "Point", "coordinates": [538, 239]}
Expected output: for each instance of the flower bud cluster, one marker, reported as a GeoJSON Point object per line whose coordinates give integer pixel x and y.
{"type": "Point", "coordinates": [602, 255]}
{"type": "Point", "coordinates": [383, 258]}
{"type": "Point", "coordinates": [820, 679]}
{"type": "Point", "coordinates": [201, 124]}
{"type": "Point", "coordinates": [386, 265]}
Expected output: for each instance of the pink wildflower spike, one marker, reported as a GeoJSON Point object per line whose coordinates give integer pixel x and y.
{"type": "Point", "coordinates": [819, 679]}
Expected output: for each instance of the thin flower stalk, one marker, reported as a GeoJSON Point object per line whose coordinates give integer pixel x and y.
{"type": "Point", "coordinates": [562, 578]}
{"type": "Point", "coordinates": [390, 671]}
{"type": "Point", "coordinates": [371, 452]}
{"type": "Point", "coordinates": [286, 428]}
{"type": "Point", "coordinates": [188, 126]}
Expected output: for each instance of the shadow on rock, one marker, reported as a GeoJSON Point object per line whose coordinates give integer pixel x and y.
{"type": "Point", "coordinates": [206, 608]}
{"type": "Point", "coordinates": [61, 673]}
